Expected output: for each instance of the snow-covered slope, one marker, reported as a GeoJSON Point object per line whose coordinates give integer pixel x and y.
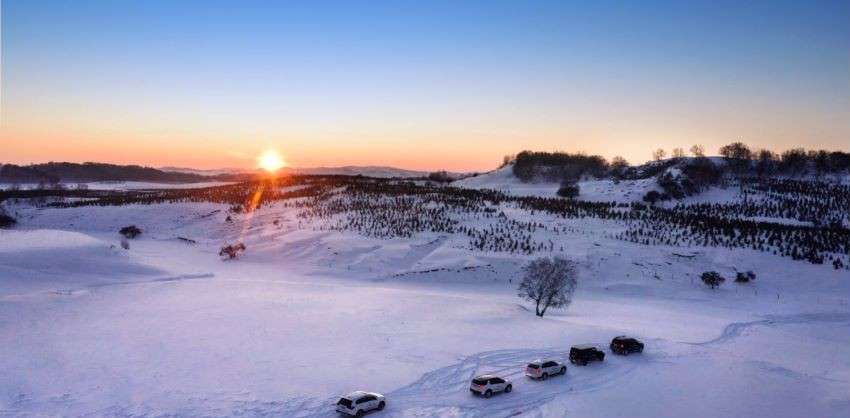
{"type": "Point", "coordinates": [311, 312]}
{"type": "Point", "coordinates": [603, 190]}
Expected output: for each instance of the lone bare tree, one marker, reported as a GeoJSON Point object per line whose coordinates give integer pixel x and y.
{"type": "Point", "coordinates": [698, 150]}
{"type": "Point", "coordinates": [549, 282]}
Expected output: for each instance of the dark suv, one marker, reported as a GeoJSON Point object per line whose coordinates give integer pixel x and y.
{"type": "Point", "coordinates": [583, 354]}
{"type": "Point", "coordinates": [624, 346]}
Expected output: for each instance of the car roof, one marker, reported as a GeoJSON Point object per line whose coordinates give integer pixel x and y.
{"type": "Point", "coordinates": [357, 394]}
{"type": "Point", "coordinates": [623, 337]}
{"type": "Point", "coordinates": [486, 376]}
{"type": "Point", "coordinates": [584, 346]}
{"type": "Point", "coordinates": [541, 361]}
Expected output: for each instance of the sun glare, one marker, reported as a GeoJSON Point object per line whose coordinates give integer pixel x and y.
{"type": "Point", "coordinates": [270, 161]}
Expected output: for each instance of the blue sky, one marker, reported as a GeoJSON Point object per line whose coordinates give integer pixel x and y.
{"type": "Point", "coordinates": [410, 83]}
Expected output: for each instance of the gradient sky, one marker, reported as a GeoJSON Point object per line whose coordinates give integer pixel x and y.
{"type": "Point", "coordinates": [418, 84]}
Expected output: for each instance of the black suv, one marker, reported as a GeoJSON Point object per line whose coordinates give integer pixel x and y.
{"type": "Point", "coordinates": [624, 346]}
{"type": "Point", "coordinates": [583, 354]}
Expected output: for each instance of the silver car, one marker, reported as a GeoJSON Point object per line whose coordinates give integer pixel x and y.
{"type": "Point", "coordinates": [359, 403]}
{"type": "Point", "coordinates": [488, 384]}
{"type": "Point", "coordinates": [542, 369]}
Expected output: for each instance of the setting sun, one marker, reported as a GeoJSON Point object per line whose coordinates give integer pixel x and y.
{"type": "Point", "coordinates": [270, 161]}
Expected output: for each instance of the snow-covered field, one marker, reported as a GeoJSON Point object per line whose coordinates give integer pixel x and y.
{"type": "Point", "coordinates": [168, 329]}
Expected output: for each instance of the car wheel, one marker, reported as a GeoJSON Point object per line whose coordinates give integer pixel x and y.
{"type": "Point", "coordinates": [509, 388]}
{"type": "Point", "coordinates": [360, 413]}
{"type": "Point", "coordinates": [488, 393]}
{"type": "Point", "coordinates": [381, 406]}
{"type": "Point", "coordinates": [563, 370]}
{"type": "Point", "coordinates": [545, 376]}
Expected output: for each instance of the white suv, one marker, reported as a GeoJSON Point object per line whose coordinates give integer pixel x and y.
{"type": "Point", "coordinates": [488, 384]}
{"type": "Point", "coordinates": [359, 403]}
{"type": "Point", "coordinates": [542, 369]}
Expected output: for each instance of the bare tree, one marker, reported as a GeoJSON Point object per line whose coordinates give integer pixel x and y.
{"type": "Point", "coordinates": [698, 150]}
{"type": "Point", "coordinates": [618, 166]}
{"type": "Point", "coordinates": [678, 153]}
{"type": "Point", "coordinates": [549, 282]}
{"type": "Point", "coordinates": [659, 154]}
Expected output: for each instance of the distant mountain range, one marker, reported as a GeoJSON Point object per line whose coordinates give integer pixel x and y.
{"type": "Point", "coordinates": [368, 171]}
{"type": "Point", "coordinates": [53, 172]}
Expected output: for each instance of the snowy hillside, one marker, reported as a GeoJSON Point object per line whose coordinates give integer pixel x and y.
{"type": "Point", "coordinates": [410, 290]}
{"type": "Point", "coordinates": [598, 190]}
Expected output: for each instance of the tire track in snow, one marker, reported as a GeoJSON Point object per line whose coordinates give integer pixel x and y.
{"type": "Point", "coordinates": [735, 329]}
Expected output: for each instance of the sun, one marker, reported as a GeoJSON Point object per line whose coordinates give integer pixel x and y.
{"type": "Point", "coordinates": [270, 161]}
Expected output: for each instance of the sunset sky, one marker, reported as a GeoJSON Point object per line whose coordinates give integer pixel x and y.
{"type": "Point", "coordinates": [416, 84]}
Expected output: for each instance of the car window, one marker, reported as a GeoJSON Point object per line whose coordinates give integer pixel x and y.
{"type": "Point", "coordinates": [479, 381]}
{"type": "Point", "coordinates": [533, 366]}
{"type": "Point", "coordinates": [344, 402]}
{"type": "Point", "coordinates": [549, 364]}
{"type": "Point", "coordinates": [361, 400]}
{"type": "Point", "coordinates": [496, 380]}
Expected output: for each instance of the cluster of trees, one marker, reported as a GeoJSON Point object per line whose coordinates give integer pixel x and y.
{"type": "Point", "coordinates": [742, 160]}
{"type": "Point", "coordinates": [818, 245]}
{"type": "Point", "coordinates": [557, 166]}
{"type": "Point", "coordinates": [763, 162]}
{"type": "Point", "coordinates": [391, 208]}
{"type": "Point", "coordinates": [820, 203]}
{"type": "Point", "coordinates": [714, 279]}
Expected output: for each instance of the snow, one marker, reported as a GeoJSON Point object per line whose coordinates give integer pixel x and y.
{"type": "Point", "coordinates": [595, 190]}
{"type": "Point", "coordinates": [168, 329]}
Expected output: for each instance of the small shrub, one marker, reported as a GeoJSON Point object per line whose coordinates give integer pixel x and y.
{"type": "Point", "coordinates": [130, 232]}
{"type": "Point", "coordinates": [652, 196]}
{"type": "Point", "coordinates": [569, 190]}
{"type": "Point", "coordinates": [230, 252]}
{"type": "Point", "coordinates": [742, 277]}
{"type": "Point", "coordinates": [7, 221]}
{"type": "Point", "coordinates": [712, 279]}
